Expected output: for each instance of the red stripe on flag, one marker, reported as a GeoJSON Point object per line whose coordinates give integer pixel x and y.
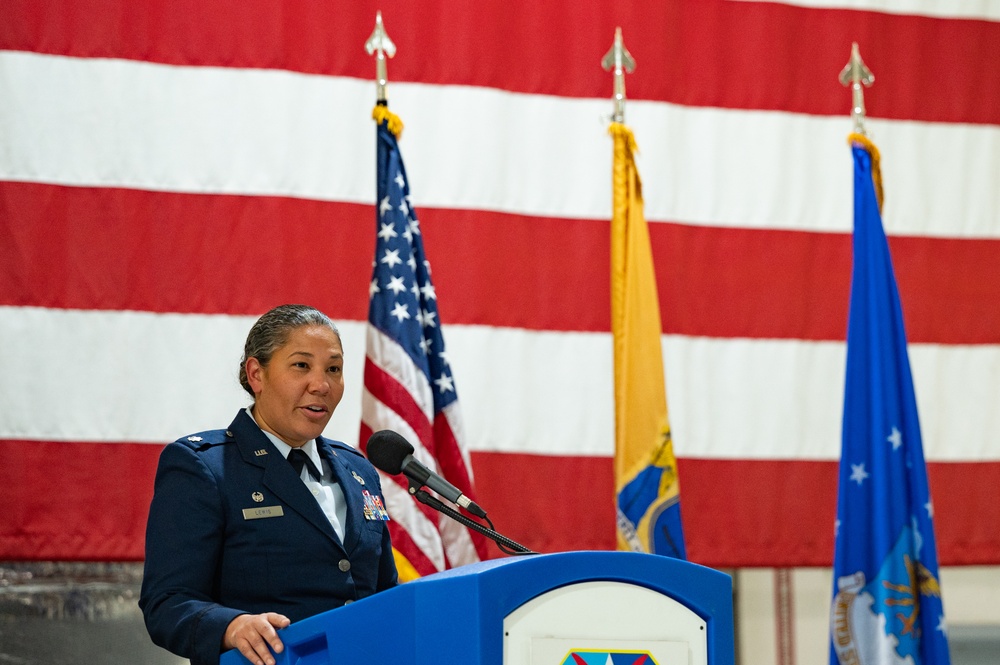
{"type": "Point", "coordinates": [363, 436]}
{"type": "Point", "coordinates": [396, 397]}
{"type": "Point", "coordinates": [453, 469]}
{"type": "Point", "coordinates": [706, 53]}
{"type": "Point", "coordinates": [120, 249]}
{"type": "Point", "coordinates": [82, 248]}
{"type": "Point", "coordinates": [449, 457]}
{"type": "Point", "coordinates": [548, 504]}
{"type": "Point", "coordinates": [75, 501]}
{"type": "Point", "coordinates": [736, 512]}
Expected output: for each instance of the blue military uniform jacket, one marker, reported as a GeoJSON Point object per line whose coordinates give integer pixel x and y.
{"type": "Point", "coordinates": [233, 530]}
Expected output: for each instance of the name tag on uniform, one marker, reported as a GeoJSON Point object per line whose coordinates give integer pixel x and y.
{"type": "Point", "coordinates": [262, 512]}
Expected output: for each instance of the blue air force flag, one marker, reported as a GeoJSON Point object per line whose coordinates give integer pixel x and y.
{"type": "Point", "coordinates": [886, 596]}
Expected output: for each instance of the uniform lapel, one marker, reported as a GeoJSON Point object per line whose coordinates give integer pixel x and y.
{"type": "Point", "coordinates": [351, 489]}
{"type": "Point", "coordinates": [279, 476]}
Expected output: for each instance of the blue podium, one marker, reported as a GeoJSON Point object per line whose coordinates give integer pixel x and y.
{"type": "Point", "coordinates": [552, 609]}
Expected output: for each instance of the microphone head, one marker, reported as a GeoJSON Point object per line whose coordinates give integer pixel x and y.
{"type": "Point", "coordinates": [386, 450]}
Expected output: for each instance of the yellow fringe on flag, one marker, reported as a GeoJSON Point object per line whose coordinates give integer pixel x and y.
{"type": "Point", "coordinates": [617, 129]}
{"type": "Point", "coordinates": [865, 142]}
{"type": "Point", "coordinates": [404, 569]}
{"type": "Point", "coordinates": [381, 112]}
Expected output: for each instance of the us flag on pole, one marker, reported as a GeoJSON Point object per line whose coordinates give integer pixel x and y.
{"type": "Point", "coordinates": [408, 384]}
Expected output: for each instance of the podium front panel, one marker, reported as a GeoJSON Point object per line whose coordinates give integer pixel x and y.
{"type": "Point", "coordinates": [583, 621]}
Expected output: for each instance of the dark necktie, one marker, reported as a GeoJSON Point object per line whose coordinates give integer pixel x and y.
{"type": "Point", "coordinates": [299, 459]}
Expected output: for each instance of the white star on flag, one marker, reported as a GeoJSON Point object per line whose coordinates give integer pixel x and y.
{"type": "Point", "coordinates": [391, 258]}
{"type": "Point", "coordinates": [858, 473]}
{"type": "Point", "coordinates": [387, 232]}
{"type": "Point", "coordinates": [444, 383]}
{"type": "Point", "coordinates": [896, 438]}
{"type": "Point", "coordinates": [396, 285]}
{"type": "Point", "coordinates": [400, 312]}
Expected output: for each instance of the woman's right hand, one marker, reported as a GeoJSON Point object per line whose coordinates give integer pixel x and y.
{"type": "Point", "coordinates": [253, 633]}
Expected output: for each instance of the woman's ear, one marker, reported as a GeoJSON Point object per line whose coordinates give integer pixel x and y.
{"type": "Point", "coordinates": [255, 375]}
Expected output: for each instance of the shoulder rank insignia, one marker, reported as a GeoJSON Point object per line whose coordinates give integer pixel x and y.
{"type": "Point", "coordinates": [194, 439]}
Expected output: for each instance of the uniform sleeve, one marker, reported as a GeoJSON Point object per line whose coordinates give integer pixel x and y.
{"type": "Point", "coordinates": [184, 540]}
{"type": "Point", "coordinates": [387, 564]}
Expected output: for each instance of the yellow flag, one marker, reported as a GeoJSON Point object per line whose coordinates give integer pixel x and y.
{"type": "Point", "coordinates": [646, 485]}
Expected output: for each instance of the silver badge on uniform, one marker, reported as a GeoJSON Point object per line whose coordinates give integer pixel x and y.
{"type": "Point", "coordinates": [357, 477]}
{"type": "Point", "coordinates": [258, 497]}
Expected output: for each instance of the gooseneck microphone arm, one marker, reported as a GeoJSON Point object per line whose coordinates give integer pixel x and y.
{"type": "Point", "coordinates": [506, 545]}
{"type": "Point", "coordinates": [389, 452]}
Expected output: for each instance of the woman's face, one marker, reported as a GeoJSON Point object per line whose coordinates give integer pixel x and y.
{"type": "Point", "coordinates": [300, 387]}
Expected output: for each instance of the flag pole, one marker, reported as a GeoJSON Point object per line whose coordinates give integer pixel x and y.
{"type": "Point", "coordinates": [380, 46]}
{"type": "Point", "coordinates": [854, 74]}
{"type": "Point", "coordinates": [619, 60]}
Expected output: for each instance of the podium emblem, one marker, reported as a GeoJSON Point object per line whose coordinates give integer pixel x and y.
{"type": "Point", "coordinates": [590, 657]}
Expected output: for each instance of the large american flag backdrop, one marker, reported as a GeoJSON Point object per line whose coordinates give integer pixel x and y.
{"type": "Point", "coordinates": [170, 170]}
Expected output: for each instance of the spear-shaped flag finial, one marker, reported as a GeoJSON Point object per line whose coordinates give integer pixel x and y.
{"type": "Point", "coordinates": [381, 46]}
{"type": "Point", "coordinates": [619, 60]}
{"type": "Point", "coordinates": [855, 74]}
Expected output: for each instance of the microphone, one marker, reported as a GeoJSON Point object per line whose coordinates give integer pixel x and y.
{"type": "Point", "coordinates": [390, 452]}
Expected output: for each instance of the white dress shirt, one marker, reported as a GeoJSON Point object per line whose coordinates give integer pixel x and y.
{"type": "Point", "coordinates": [328, 492]}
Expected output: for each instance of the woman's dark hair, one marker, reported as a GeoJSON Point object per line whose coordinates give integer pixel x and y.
{"type": "Point", "coordinates": [272, 330]}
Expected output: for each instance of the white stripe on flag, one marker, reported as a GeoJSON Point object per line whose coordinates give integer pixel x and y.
{"type": "Point", "coordinates": [728, 398]}
{"type": "Point", "coordinates": [970, 9]}
{"type": "Point", "coordinates": [386, 354]}
{"type": "Point", "coordinates": [215, 130]}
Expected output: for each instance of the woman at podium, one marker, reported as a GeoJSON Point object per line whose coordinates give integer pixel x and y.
{"type": "Point", "coordinates": [265, 522]}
